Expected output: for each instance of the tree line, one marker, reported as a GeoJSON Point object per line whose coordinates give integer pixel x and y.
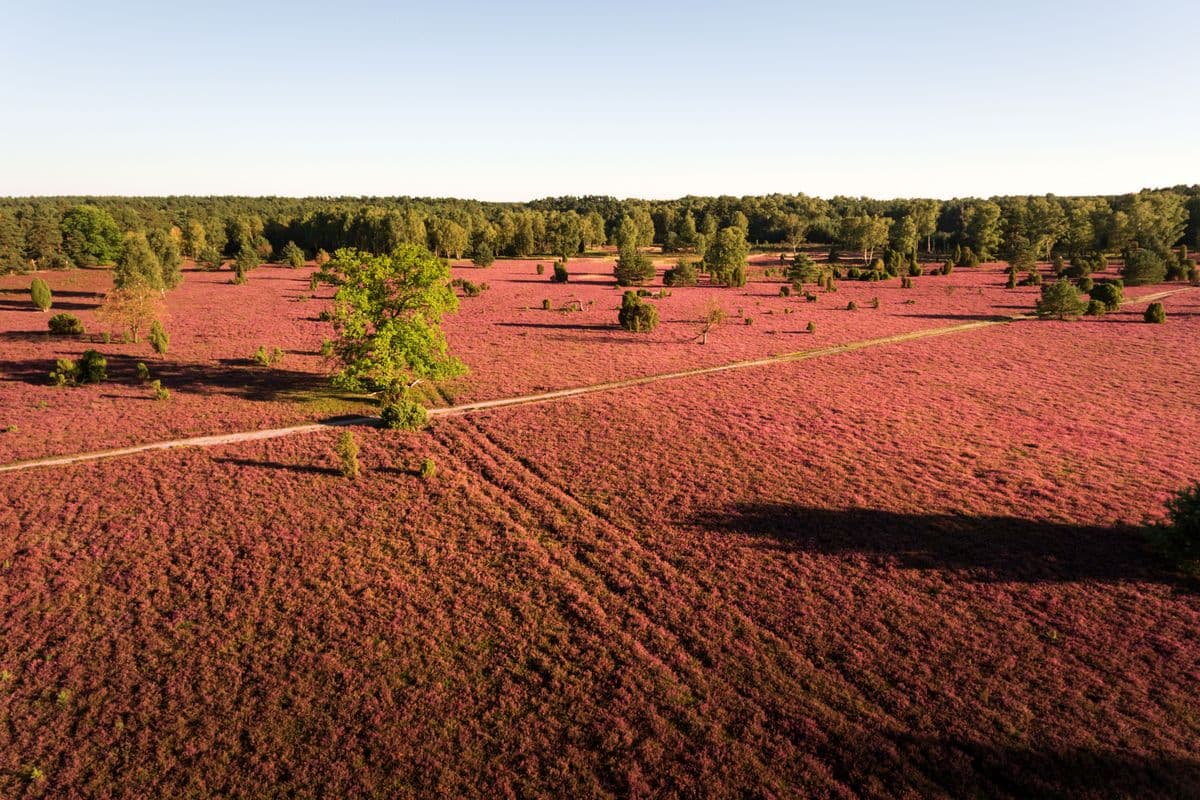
{"type": "Point", "coordinates": [56, 232]}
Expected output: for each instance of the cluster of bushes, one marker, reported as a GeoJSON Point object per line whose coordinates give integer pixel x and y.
{"type": "Point", "coordinates": [636, 315]}
{"type": "Point", "coordinates": [65, 325]}
{"type": "Point", "coordinates": [267, 358]}
{"type": "Point", "coordinates": [469, 288]}
{"type": "Point", "coordinates": [90, 368]}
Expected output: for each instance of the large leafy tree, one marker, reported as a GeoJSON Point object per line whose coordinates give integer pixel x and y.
{"type": "Point", "coordinates": [90, 235]}
{"type": "Point", "coordinates": [981, 229]}
{"type": "Point", "coordinates": [632, 266]}
{"type": "Point", "coordinates": [387, 313]}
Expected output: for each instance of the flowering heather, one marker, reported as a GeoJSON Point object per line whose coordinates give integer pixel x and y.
{"type": "Point", "coordinates": [908, 570]}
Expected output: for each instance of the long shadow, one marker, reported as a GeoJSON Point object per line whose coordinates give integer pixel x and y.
{"type": "Point", "coordinates": [964, 768]}
{"type": "Point", "coordinates": [987, 548]}
{"type": "Point", "coordinates": [570, 326]}
{"type": "Point", "coordinates": [58, 305]}
{"type": "Point", "coordinates": [307, 469]}
{"type": "Point", "coordinates": [961, 317]}
{"type": "Point", "coordinates": [57, 293]}
{"type": "Point", "coordinates": [237, 378]}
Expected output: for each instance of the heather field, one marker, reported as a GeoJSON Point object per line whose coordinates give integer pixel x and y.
{"type": "Point", "coordinates": [910, 570]}
{"type": "Point", "coordinates": [510, 343]}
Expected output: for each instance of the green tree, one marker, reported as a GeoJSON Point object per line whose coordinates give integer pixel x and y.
{"type": "Point", "coordinates": [90, 236]}
{"type": "Point", "coordinates": [1143, 267]}
{"type": "Point", "coordinates": [981, 229]}
{"type": "Point", "coordinates": [194, 239]}
{"type": "Point", "coordinates": [1060, 299]}
{"type": "Point", "coordinates": [632, 266]}
{"type": "Point", "coordinates": [39, 292]}
{"type": "Point", "coordinates": [43, 240]}
{"type": "Point", "coordinates": [292, 255]}
{"type": "Point", "coordinates": [725, 257]}
{"type": "Point", "coordinates": [166, 250]}
{"type": "Point", "coordinates": [635, 315]}
{"type": "Point", "coordinates": [864, 233]}
{"type": "Point", "coordinates": [137, 265]}
{"type": "Point", "coordinates": [387, 314]}
{"type": "Point", "coordinates": [565, 233]}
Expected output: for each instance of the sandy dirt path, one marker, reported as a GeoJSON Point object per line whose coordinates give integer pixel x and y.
{"type": "Point", "coordinates": [530, 399]}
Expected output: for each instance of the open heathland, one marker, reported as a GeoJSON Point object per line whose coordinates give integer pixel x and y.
{"type": "Point", "coordinates": [915, 569]}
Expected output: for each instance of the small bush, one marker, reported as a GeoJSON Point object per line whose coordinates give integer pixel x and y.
{"type": "Point", "coordinates": [65, 325]}
{"type": "Point", "coordinates": [811, 327]}
{"type": "Point", "coordinates": [1095, 308]}
{"type": "Point", "coordinates": [404, 414]}
{"type": "Point", "coordinates": [327, 348]}
{"type": "Point", "coordinates": [560, 273]}
{"type": "Point", "coordinates": [644, 293]}
{"type": "Point", "coordinates": [158, 338]}
{"type": "Point", "coordinates": [428, 469]}
{"type": "Point", "coordinates": [267, 358]}
{"type": "Point", "coordinates": [541, 269]}
{"type": "Point", "coordinates": [39, 292]}
{"type": "Point", "coordinates": [874, 302]}
{"type": "Point", "coordinates": [852, 306]}
{"type": "Point", "coordinates": [159, 391]}
{"type": "Point", "coordinates": [1178, 537]}
{"type": "Point", "coordinates": [469, 288]}
{"type": "Point", "coordinates": [1011, 283]}
{"type": "Point", "coordinates": [748, 321]}
{"type": "Point", "coordinates": [143, 372]}
{"type": "Point", "coordinates": [1086, 284]}
{"type": "Point", "coordinates": [947, 267]}
{"type": "Point", "coordinates": [682, 274]}
{"type": "Point", "coordinates": [546, 304]}
{"type": "Point", "coordinates": [834, 255]}
{"type": "Point", "coordinates": [968, 258]}
{"type": "Point", "coordinates": [906, 283]}
{"type": "Point", "coordinates": [1155, 313]}
{"type": "Point", "coordinates": [347, 450]}
{"type": "Point", "coordinates": [636, 315]}
{"type": "Point", "coordinates": [64, 372]}
{"type": "Point", "coordinates": [93, 367]}
{"type": "Point", "coordinates": [785, 291]}
{"type": "Point", "coordinates": [321, 258]}
{"type": "Point", "coordinates": [210, 258]}
{"type": "Point", "coordinates": [809, 297]}
{"type": "Point", "coordinates": [1108, 292]}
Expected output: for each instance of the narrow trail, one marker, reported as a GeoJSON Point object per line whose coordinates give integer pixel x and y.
{"type": "Point", "coordinates": [531, 399]}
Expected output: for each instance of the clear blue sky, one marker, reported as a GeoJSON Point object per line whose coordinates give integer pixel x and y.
{"type": "Point", "coordinates": [511, 101]}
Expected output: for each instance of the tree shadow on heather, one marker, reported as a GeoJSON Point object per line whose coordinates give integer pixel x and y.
{"type": "Point", "coordinates": [244, 379]}
{"type": "Point", "coordinates": [306, 469]}
{"type": "Point", "coordinates": [962, 768]}
{"type": "Point", "coordinates": [570, 326]}
{"type": "Point", "coordinates": [58, 305]}
{"type": "Point", "coordinates": [987, 548]}
{"type": "Point", "coordinates": [961, 317]}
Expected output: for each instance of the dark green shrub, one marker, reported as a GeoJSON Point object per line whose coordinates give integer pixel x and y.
{"type": "Point", "coordinates": [785, 291]}
{"type": "Point", "coordinates": [291, 255]}
{"type": "Point", "coordinates": [1095, 308]}
{"type": "Point", "coordinates": [852, 306]}
{"type": "Point", "coordinates": [404, 414]}
{"type": "Point", "coordinates": [93, 367]}
{"type": "Point", "coordinates": [1178, 536]}
{"type": "Point", "coordinates": [65, 325]}
{"type": "Point", "coordinates": [644, 293]}
{"type": "Point", "coordinates": [143, 372]}
{"type": "Point", "coordinates": [347, 451]}
{"type": "Point", "coordinates": [482, 255]}
{"type": "Point", "coordinates": [637, 316]}
{"type": "Point", "coordinates": [906, 283]}
{"type": "Point", "coordinates": [210, 258]}
{"type": "Point", "coordinates": [1011, 283]}
{"type": "Point", "coordinates": [1060, 299]}
{"type": "Point", "coordinates": [560, 273]}
{"type": "Point", "coordinates": [682, 274]}
{"type": "Point", "coordinates": [947, 267]}
{"type": "Point", "coordinates": [158, 338]}
{"type": "Point", "coordinates": [1143, 267]}
{"type": "Point", "coordinates": [541, 269]}
{"type": "Point", "coordinates": [39, 292]}
{"type": "Point", "coordinates": [852, 273]}
{"type": "Point", "coordinates": [834, 255]}
{"type": "Point", "coordinates": [1155, 313]}
{"type": "Point", "coordinates": [1032, 278]}
{"type": "Point", "coordinates": [874, 302]}
{"type": "Point", "coordinates": [1086, 284]}
{"type": "Point", "coordinates": [967, 258]}
{"type": "Point", "coordinates": [1108, 292]}
{"type": "Point", "coordinates": [1056, 264]}
{"type": "Point", "coordinates": [811, 327]}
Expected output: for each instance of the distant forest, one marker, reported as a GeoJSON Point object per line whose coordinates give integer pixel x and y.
{"type": "Point", "coordinates": [48, 232]}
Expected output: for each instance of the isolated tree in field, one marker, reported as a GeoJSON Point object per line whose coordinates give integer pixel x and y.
{"type": "Point", "coordinates": [131, 309]}
{"type": "Point", "coordinates": [1143, 267]}
{"type": "Point", "coordinates": [632, 266]}
{"type": "Point", "coordinates": [158, 338]}
{"type": "Point", "coordinates": [1155, 313]}
{"type": "Point", "coordinates": [565, 233]}
{"type": "Point", "coordinates": [725, 258]}
{"type": "Point", "coordinates": [90, 236]}
{"type": "Point", "coordinates": [1109, 293]}
{"type": "Point", "coordinates": [482, 252]}
{"type": "Point", "coordinates": [1060, 299]}
{"type": "Point", "coordinates": [39, 292]}
{"type": "Point", "coordinates": [714, 315]}
{"type": "Point", "coordinates": [387, 315]}
{"type": "Point", "coordinates": [137, 265]}
{"type": "Point", "coordinates": [247, 260]}
{"type": "Point", "coordinates": [292, 255]}
{"type": "Point", "coordinates": [803, 270]}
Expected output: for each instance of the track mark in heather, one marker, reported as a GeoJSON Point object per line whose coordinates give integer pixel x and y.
{"type": "Point", "coordinates": [531, 399]}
